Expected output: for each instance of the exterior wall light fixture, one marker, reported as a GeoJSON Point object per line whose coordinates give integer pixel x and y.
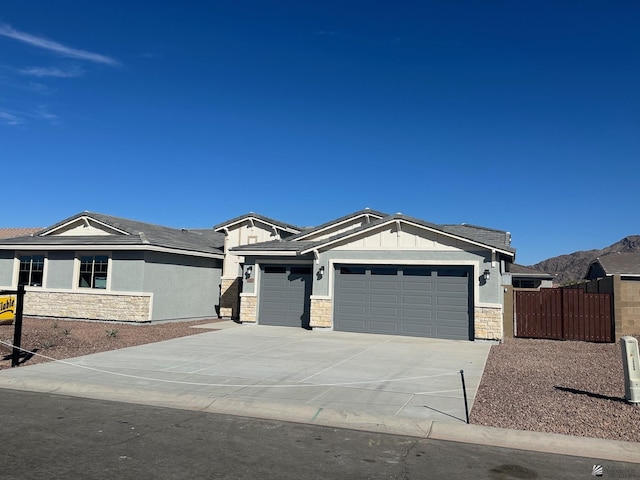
{"type": "Point", "coordinates": [248, 271]}
{"type": "Point", "coordinates": [486, 274]}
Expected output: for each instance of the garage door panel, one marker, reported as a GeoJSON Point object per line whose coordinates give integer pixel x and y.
{"type": "Point", "coordinates": [417, 301]}
{"type": "Point", "coordinates": [285, 295]}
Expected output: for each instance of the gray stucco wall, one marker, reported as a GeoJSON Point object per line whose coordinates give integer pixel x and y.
{"type": "Point", "coordinates": [127, 271]}
{"type": "Point", "coordinates": [59, 270]}
{"type": "Point", "coordinates": [488, 292]}
{"type": "Point", "coordinates": [6, 268]}
{"type": "Point", "coordinates": [183, 287]}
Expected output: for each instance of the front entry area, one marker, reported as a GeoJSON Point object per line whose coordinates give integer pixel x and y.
{"type": "Point", "coordinates": [404, 300]}
{"type": "Point", "coordinates": [285, 292]}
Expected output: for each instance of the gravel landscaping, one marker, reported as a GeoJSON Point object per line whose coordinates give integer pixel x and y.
{"type": "Point", "coordinates": [573, 388]}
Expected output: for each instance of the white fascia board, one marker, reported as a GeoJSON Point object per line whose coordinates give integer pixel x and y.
{"type": "Point", "coordinates": [99, 248]}
{"type": "Point", "coordinates": [337, 224]}
{"type": "Point", "coordinates": [256, 219]}
{"type": "Point", "coordinates": [264, 253]}
{"type": "Point", "coordinates": [83, 218]}
{"type": "Point", "coordinates": [394, 220]}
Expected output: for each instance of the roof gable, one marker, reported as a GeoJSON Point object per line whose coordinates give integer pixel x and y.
{"type": "Point", "coordinates": [617, 264]}
{"type": "Point", "coordinates": [255, 217]}
{"type": "Point", "coordinates": [340, 225]}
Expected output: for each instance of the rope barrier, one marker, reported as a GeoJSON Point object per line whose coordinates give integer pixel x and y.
{"type": "Point", "coordinates": [293, 385]}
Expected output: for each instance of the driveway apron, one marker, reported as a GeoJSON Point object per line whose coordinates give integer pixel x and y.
{"type": "Point", "coordinates": [383, 383]}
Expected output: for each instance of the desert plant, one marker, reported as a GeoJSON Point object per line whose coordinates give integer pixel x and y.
{"type": "Point", "coordinates": [66, 332]}
{"type": "Point", "coordinates": [112, 333]}
{"type": "Point", "coordinates": [47, 345]}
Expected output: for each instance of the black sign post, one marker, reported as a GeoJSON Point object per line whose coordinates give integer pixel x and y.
{"type": "Point", "coordinates": [17, 332]}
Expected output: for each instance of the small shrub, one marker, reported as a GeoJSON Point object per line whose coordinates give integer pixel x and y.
{"type": "Point", "coordinates": [66, 332]}
{"type": "Point", "coordinates": [55, 324]}
{"type": "Point", "coordinates": [112, 333]}
{"type": "Point", "coordinates": [47, 345]}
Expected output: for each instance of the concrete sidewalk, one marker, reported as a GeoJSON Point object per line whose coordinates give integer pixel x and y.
{"type": "Point", "coordinates": [388, 384]}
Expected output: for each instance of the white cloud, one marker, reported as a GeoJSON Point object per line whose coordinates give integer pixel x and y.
{"type": "Point", "coordinates": [10, 119]}
{"type": "Point", "coordinates": [72, 72]}
{"type": "Point", "coordinates": [10, 32]}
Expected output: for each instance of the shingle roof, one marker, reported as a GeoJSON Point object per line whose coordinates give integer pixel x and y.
{"type": "Point", "coordinates": [139, 233]}
{"type": "Point", "coordinates": [365, 211]}
{"type": "Point", "coordinates": [18, 232]}
{"type": "Point", "coordinates": [521, 270]}
{"type": "Point", "coordinates": [620, 263]}
{"type": "Point", "coordinates": [488, 235]}
{"type": "Point", "coordinates": [291, 244]}
{"type": "Point", "coordinates": [277, 223]}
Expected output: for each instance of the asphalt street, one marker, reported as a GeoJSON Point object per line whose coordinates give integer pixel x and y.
{"type": "Point", "coordinates": [48, 436]}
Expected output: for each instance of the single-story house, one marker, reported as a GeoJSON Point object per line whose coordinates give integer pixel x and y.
{"type": "Point", "coordinates": [519, 276]}
{"type": "Point", "coordinates": [377, 273]}
{"type": "Point", "coordinates": [246, 229]}
{"type": "Point", "coordinates": [619, 275]}
{"type": "Point", "coordinates": [100, 267]}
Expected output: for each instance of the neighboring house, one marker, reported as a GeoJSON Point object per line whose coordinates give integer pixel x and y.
{"type": "Point", "coordinates": [519, 276]}
{"type": "Point", "coordinates": [17, 232]}
{"type": "Point", "coordinates": [627, 265]}
{"type": "Point", "coordinates": [99, 267]}
{"type": "Point", "coordinates": [378, 273]}
{"type": "Point", "coordinates": [244, 230]}
{"type": "Point", "coordinates": [619, 275]}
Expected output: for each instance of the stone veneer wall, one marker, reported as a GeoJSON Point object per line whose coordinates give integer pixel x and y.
{"type": "Point", "coordinates": [321, 312]}
{"type": "Point", "coordinates": [488, 323]}
{"type": "Point", "coordinates": [627, 307]}
{"type": "Point", "coordinates": [91, 306]}
{"type": "Point", "coordinates": [230, 297]}
{"type": "Point", "coordinates": [248, 308]}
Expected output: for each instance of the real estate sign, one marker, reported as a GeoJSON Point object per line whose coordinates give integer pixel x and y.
{"type": "Point", "coordinates": [7, 308]}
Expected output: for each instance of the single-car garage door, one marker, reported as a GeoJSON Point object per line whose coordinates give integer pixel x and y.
{"type": "Point", "coordinates": [285, 295]}
{"type": "Point", "coordinates": [403, 300]}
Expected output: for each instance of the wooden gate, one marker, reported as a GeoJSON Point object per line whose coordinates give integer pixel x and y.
{"type": "Point", "coordinates": [564, 314]}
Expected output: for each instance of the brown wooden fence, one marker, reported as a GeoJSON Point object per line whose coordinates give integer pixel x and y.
{"type": "Point", "coordinates": [564, 314]}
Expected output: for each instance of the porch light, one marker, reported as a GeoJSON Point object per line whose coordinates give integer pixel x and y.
{"type": "Point", "coordinates": [486, 274]}
{"type": "Point", "coordinates": [248, 271]}
{"type": "Point", "coordinates": [321, 271]}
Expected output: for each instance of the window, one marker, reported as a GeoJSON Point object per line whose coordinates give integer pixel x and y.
{"type": "Point", "coordinates": [31, 270]}
{"type": "Point", "coordinates": [275, 269]}
{"type": "Point", "coordinates": [384, 271]}
{"type": "Point", "coordinates": [93, 271]}
{"type": "Point", "coordinates": [352, 270]}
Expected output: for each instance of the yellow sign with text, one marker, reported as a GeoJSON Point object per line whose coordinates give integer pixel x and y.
{"type": "Point", "coordinates": [7, 309]}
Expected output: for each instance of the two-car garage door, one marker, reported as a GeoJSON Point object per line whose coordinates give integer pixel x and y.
{"type": "Point", "coordinates": [403, 300]}
{"type": "Point", "coordinates": [394, 300]}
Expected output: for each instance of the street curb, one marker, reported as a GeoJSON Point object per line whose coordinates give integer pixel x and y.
{"type": "Point", "coordinates": [596, 448]}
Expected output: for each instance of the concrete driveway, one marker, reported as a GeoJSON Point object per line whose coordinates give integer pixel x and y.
{"type": "Point", "coordinates": [371, 382]}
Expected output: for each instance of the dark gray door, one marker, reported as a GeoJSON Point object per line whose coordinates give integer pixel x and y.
{"type": "Point", "coordinates": [285, 295]}
{"type": "Point", "coordinates": [403, 300]}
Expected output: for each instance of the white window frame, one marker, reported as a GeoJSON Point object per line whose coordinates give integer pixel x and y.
{"type": "Point", "coordinates": [19, 255]}
{"type": "Point", "coordinates": [77, 262]}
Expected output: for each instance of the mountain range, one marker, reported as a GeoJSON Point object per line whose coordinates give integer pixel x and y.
{"type": "Point", "coordinates": [572, 267]}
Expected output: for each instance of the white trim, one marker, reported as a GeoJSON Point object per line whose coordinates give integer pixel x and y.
{"type": "Point", "coordinates": [82, 218]}
{"type": "Point", "coordinates": [366, 215]}
{"type": "Point", "coordinates": [101, 248]}
{"type": "Point", "coordinates": [330, 242]}
{"type": "Point", "coordinates": [254, 253]}
{"type": "Point", "coordinates": [89, 291]}
{"type": "Point", "coordinates": [253, 219]}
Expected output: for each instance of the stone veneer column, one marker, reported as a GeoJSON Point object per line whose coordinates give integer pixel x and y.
{"type": "Point", "coordinates": [488, 323]}
{"type": "Point", "coordinates": [248, 308]}
{"type": "Point", "coordinates": [321, 312]}
{"type": "Point", "coordinates": [230, 297]}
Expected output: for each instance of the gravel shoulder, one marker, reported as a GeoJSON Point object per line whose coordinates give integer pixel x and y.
{"type": "Point", "coordinates": [572, 388]}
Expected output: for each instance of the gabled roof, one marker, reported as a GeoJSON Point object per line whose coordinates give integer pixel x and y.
{"type": "Point", "coordinates": [255, 216]}
{"type": "Point", "coordinates": [619, 264]}
{"type": "Point", "coordinates": [490, 235]}
{"type": "Point", "coordinates": [126, 234]}
{"type": "Point", "coordinates": [291, 245]}
{"type": "Point", "coordinates": [17, 232]}
{"type": "Point", "coordinates": [521, 271]}
{"type": "Point", "coordinates": [366, 212]}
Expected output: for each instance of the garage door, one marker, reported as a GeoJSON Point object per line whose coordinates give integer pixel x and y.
{"type": "Point", "coordinates": [403, 300]}
{"type": "Point", "coordinates": [285, 295]}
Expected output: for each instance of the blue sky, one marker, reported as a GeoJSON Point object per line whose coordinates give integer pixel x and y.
{"type": "Point", "coordinates": [520, 116]}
